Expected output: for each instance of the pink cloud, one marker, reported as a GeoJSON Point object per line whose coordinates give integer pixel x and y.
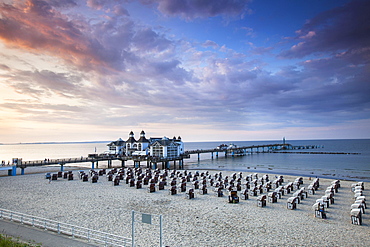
{"type": "Point", "coordinates": [39, 26]}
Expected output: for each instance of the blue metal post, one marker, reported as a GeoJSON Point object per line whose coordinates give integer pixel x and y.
{"type": "Point", "coordinates": [154, 165]}
{"type": "Point", "coordinates": [181, 164]}
{"type": "Point", "coordinates": [22, 170]}
{"type": "Point", "coordinates": [92, 164]}
{"type": "Point", "coordinates": [14, 171]}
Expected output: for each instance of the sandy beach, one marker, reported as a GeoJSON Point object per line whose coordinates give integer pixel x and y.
{"type": "Point", "coordinates": [206, 220]}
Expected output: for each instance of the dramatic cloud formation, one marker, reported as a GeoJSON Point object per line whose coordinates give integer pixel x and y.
{"type": "Point", "coordinates": [342, 29]}
{"type": "Point", "coordinates": [190, 9]}
{"type": "Point", "coordinates": [200, 69]}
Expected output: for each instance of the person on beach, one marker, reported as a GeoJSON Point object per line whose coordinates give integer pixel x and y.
{"type": "Point", "coordinates": [323, 214]}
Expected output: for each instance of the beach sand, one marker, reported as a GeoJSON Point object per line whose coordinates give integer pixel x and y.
{"type": "Point", "coordinates": [207, 220]}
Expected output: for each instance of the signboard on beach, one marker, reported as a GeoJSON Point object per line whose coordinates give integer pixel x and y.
{"type": "Point", "coordinates": [146, 218]}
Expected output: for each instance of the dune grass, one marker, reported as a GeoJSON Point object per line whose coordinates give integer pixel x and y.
{"type": "Point", "coordinates": [7, 241]}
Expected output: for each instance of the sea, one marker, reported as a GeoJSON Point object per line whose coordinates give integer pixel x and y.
{"type": "Point", "coordinates": [336, 159]}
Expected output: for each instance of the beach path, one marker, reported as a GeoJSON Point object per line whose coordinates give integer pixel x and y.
{"type": "Point", "coordinates": [37, 236]}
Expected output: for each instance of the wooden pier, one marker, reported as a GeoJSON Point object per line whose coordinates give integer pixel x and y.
{"type": "Point", "coordinates": [152, 161]}
{"type": "Point", "coordinates": [237, 151]}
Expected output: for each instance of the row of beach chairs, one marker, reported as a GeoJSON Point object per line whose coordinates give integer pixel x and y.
{"type": "Point", "coordinates": [325, 201]}
{"type": "Point", "coordinates": [297, 197]}
{"type": "Point", "coordinates": [359, 206]}
{"type": "Point", "coordinates": [65, 175]}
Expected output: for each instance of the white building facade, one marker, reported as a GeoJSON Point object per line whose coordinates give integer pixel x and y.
{"type": "Point", "coordinates": [156, 147]}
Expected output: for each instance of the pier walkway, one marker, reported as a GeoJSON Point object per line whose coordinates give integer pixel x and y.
{"type": "Point", "coordinates": [244, 150]}
{"type": "Point", "coordinates": [152, 161]}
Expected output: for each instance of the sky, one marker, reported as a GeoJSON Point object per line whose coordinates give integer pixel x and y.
{"type": "Point", "coordinates": [205, 70]}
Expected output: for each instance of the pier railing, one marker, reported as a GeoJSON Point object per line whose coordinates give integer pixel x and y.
{"type": "Point", "coordinates": [62, 161]}
{"type": "Point", "coordinates": [90, 235]}
{"type": "Point", "coordinates": [233, 149]}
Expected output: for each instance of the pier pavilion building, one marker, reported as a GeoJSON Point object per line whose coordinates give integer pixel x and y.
{"type": "Point", "coordinates": [155, 147]}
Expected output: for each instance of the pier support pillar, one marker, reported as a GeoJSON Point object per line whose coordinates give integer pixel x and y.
{"type": "Point", "coordinates": [61, 167]}
{"type": "Point", "coordinates": [136, 164]}
{"type": "Point", "coordinates": [211, 155]}
{"type": "Point", "coordinates": [216, 155]}
{"type": "Point", "coordinates": [22, 170]}
{"type": "Point", "coordinates": [122, 163]}
{"type": "Point", "coordinates": [13, 171]}
{"type": "Point", "coordinates": [174, 164]}
{"type": "Point", "coordinates": [198, 156]}
{"type": "Point", "coordinates": [154, 165]}
{"type": "Point", "coordinates": [167, 165]}
{"type": "Point", "coordinates": [181, 164]}
{"type": "Point", "coordinates": [92, 165]}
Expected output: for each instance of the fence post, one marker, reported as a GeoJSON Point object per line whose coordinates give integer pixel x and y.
{"type": "Point", "coordinates": [133, 229]}
{"type": "Point", "coordinates": [160, 231]}
{"type": "Point", "coordinates": [43, 223]}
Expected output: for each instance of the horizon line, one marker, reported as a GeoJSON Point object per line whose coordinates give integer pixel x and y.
{"type": "Point", "coordinates": [72, 142]}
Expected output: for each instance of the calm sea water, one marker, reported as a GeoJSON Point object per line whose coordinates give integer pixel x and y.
{"type": "Point", "coordinates": [340, 166]}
